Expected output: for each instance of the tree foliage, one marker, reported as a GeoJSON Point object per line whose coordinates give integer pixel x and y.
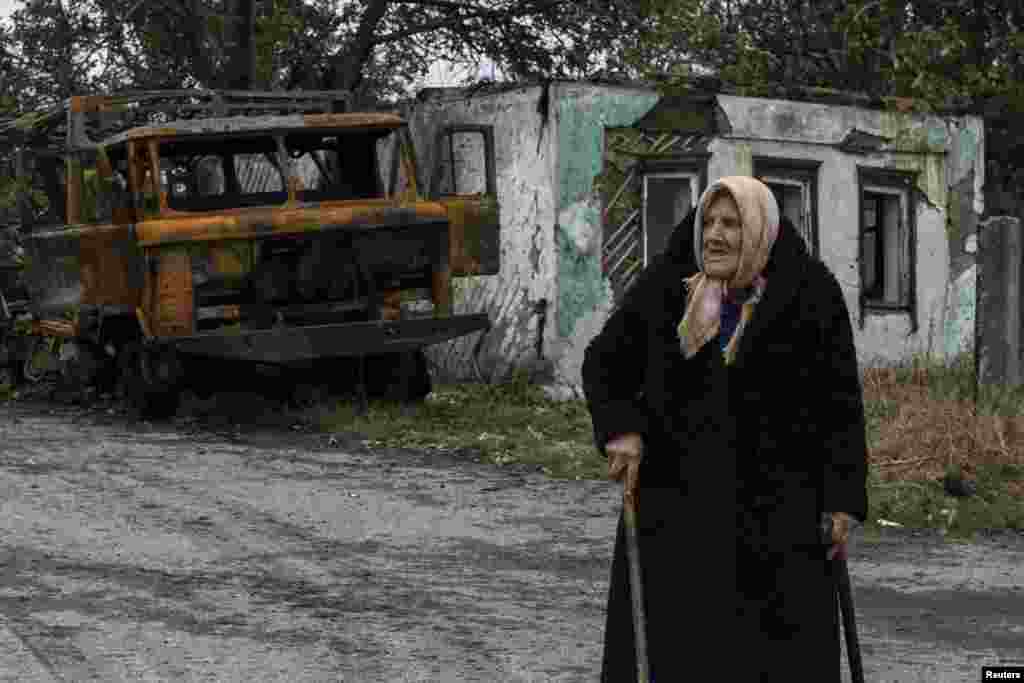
{"type": "Point", "coordinates": [944, 52]}
{"type": "Point", "coordinates": [949, 53]}
{"type": "Point", "coordinates": [381, 47]}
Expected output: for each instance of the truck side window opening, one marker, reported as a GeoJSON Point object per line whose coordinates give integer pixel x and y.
{"type": "Point", "coordinates": [198, 174]}
{"type": "Point", "coordinates": [340, 167]}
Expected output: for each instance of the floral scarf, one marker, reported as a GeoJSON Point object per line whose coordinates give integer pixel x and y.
{"type": "Point", "coordinates": [759, 214]}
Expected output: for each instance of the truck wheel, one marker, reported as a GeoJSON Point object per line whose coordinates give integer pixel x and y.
{"type": "Point", "coordinates": [150, 381]}
{"type": "Point", "coordinates": [401, 376]}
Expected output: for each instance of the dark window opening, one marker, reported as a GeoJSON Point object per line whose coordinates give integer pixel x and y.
{"type": "Point", "coordinates": [795, 186]}
{"type": "Point", "coordinates": [205, 175]}
{"type": "Point", "coordinates": [463, 163]}
{"type": "Point", "coordinates": [339, 166]}
{"type": "Point", "coordinates": [668, 197]}
{"type": "Point", "coordinates": [885, 250]}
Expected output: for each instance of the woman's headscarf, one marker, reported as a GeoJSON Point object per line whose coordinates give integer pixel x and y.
{"type": "Point", "coordinates": [759, 216]}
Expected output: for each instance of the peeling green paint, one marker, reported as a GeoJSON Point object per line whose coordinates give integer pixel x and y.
{"type": "Point", "coordinates": [931, 176]}
{"type": "Point", "coordinates": [582, 116]}
{"type": "Point", "coordinates": [937, 135]}
{"type": "Point", "coordinates": [910, 134]}
{"type": "Point", "coordinates": [966, 146]}
{"type": "Point", "coordinates": [958, 335]}
{"type": "Point", "coordinates": [743, 159]}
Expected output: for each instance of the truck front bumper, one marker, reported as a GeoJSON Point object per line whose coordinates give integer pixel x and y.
{"type": "Point", "coordinates": [284, 345]}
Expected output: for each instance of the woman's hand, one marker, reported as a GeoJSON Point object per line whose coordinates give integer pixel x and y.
{"type": "Point", "coordinates": [624, 455]}
{"type": "Point", "coordinates": [842, 523]}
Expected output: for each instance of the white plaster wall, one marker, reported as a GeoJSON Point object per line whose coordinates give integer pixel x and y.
{"type": "Point", "coordinates": [524, 163]}
{"type": "Point", "coordinates": [885, 338]}
{"type": "Point", "coordinates": [944, 151]}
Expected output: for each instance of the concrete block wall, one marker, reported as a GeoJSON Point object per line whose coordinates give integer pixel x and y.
{"type": "Point", "coordinates": [519, 299]}
{"type": "Point", "coordinates": [946, 154]}
{"type": "Point", "coordinates": [551, 296]}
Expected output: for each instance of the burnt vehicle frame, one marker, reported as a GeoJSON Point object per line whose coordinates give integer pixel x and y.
{"type": "Point", "coordinates": [189, 229]}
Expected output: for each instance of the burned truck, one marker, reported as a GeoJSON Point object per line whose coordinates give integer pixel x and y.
{"type": "Point", "coordinates": [195, 232]}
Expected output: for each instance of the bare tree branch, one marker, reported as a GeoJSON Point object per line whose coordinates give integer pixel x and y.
{"type": "Point", "coordinates": [454, 21]}
{"type": "Point", "coordinates": [347, 71]}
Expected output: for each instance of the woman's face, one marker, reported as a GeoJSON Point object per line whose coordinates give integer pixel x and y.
{"type": "Point", "coordinates": [723, 236]}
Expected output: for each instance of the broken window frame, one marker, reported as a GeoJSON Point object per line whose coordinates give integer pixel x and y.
{"type": "Point", "coordinates": [274, 153]}
{"type": "Point", "coordinates": [900, 184]}
{"type": "Point", "coordinates": [490, 179]}
{"type": "Point", "coordinates": [795, 172]}
{"type": "Point", "coordinates": [694, 166]}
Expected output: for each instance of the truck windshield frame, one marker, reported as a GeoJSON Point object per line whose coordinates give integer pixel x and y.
{"type": "Point", "coordinates": [206, 173]}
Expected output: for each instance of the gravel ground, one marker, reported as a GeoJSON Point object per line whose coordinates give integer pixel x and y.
{"type": "Point", "coordinates": [136, 552]}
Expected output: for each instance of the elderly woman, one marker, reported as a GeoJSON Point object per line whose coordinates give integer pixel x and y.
{"type": "Point", "coordinates": [725, 392]}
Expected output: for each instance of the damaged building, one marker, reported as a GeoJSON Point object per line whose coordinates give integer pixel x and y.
{"type": "Point", "coordinates": [592, 178]}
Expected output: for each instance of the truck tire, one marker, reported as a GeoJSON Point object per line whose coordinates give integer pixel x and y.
{"type": "Point", "coordinates": [403, 377]}
{"type": "Point", "coordinates": [150, 381]}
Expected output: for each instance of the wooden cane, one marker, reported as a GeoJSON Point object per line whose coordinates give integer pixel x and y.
{"type": "Point", "coordinates": [841, 571]}
{"type": "Point", "coordinates": [636, 591]}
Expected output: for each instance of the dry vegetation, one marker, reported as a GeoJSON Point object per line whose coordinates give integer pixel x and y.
{"type": "Point", "coordinates": [923, 423]}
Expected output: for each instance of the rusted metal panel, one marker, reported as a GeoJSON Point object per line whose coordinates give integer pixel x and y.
{"type": "Point", "coordinates": [391, 304]}
{"type": "Point", "coordinates": [268, 222]}
{"type": "Point", "coordinates": [52, 272]}
{"type": "Point", "coordinates": [74, 191]}
{"type": "Point", "coordinates": [111, 266]}
{"type": "Point", "coordinates": [55, 328]}
{"type": "Point", "coordinates": [353, 120]}
{"type": "Point", "coordinates": [295, 344]}
{"type": "Point", "coordinates": [441, 290]}
{"type": "Point", "coordinates": [229, 312]}
{"type": "Point", "coordinates": [173, 305]}
{"type": "Point", "coordinates": [441, 276]}
{"type": "Point", "coordinates": [475, 235]}
{"type": "Point", "coordinates": [262, 124]}
{"type": "Point", "coordinates": [399, 249]}
{"type": "Point", "coordinates": [153, 153]}
{"type": "Point", "coordinates": [231, 260]}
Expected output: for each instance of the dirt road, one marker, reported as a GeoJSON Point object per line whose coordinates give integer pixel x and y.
{"type": "Point", "coordinates": [167, 553]}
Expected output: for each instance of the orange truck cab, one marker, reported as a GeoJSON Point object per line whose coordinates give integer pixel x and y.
{"type": "Point", "coordinates": [204, 228]}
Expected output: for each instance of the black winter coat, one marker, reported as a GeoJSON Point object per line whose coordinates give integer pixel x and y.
{"type": "Point", "coordinates": [739, 464]}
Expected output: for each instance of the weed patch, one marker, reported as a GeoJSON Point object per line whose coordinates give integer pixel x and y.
{"type": "Point", "coordinates": [921, 424]}
{"type": "Point", "coordinates": [503, 424]}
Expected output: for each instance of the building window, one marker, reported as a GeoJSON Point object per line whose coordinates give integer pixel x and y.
{"type": "Point", "coordinates": [464, 165]}
{"type": "Point", "coordinates": [670, 188]}
{"type": "Point", "coordinates": [668, 197]}
{"type": "Point", "coordinates": [887, 243]}
{"type": "Point", "coordinates": [794, 182]}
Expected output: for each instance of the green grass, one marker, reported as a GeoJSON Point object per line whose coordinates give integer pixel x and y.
{"type": "Point", "coordinates": [920, 501]}
{"type": "Point", "coordinates": [513, 422]}
{"type": "Point", "coordinates": [924, 504]}
{"type": "Point", "coordinates": [954, 381]}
